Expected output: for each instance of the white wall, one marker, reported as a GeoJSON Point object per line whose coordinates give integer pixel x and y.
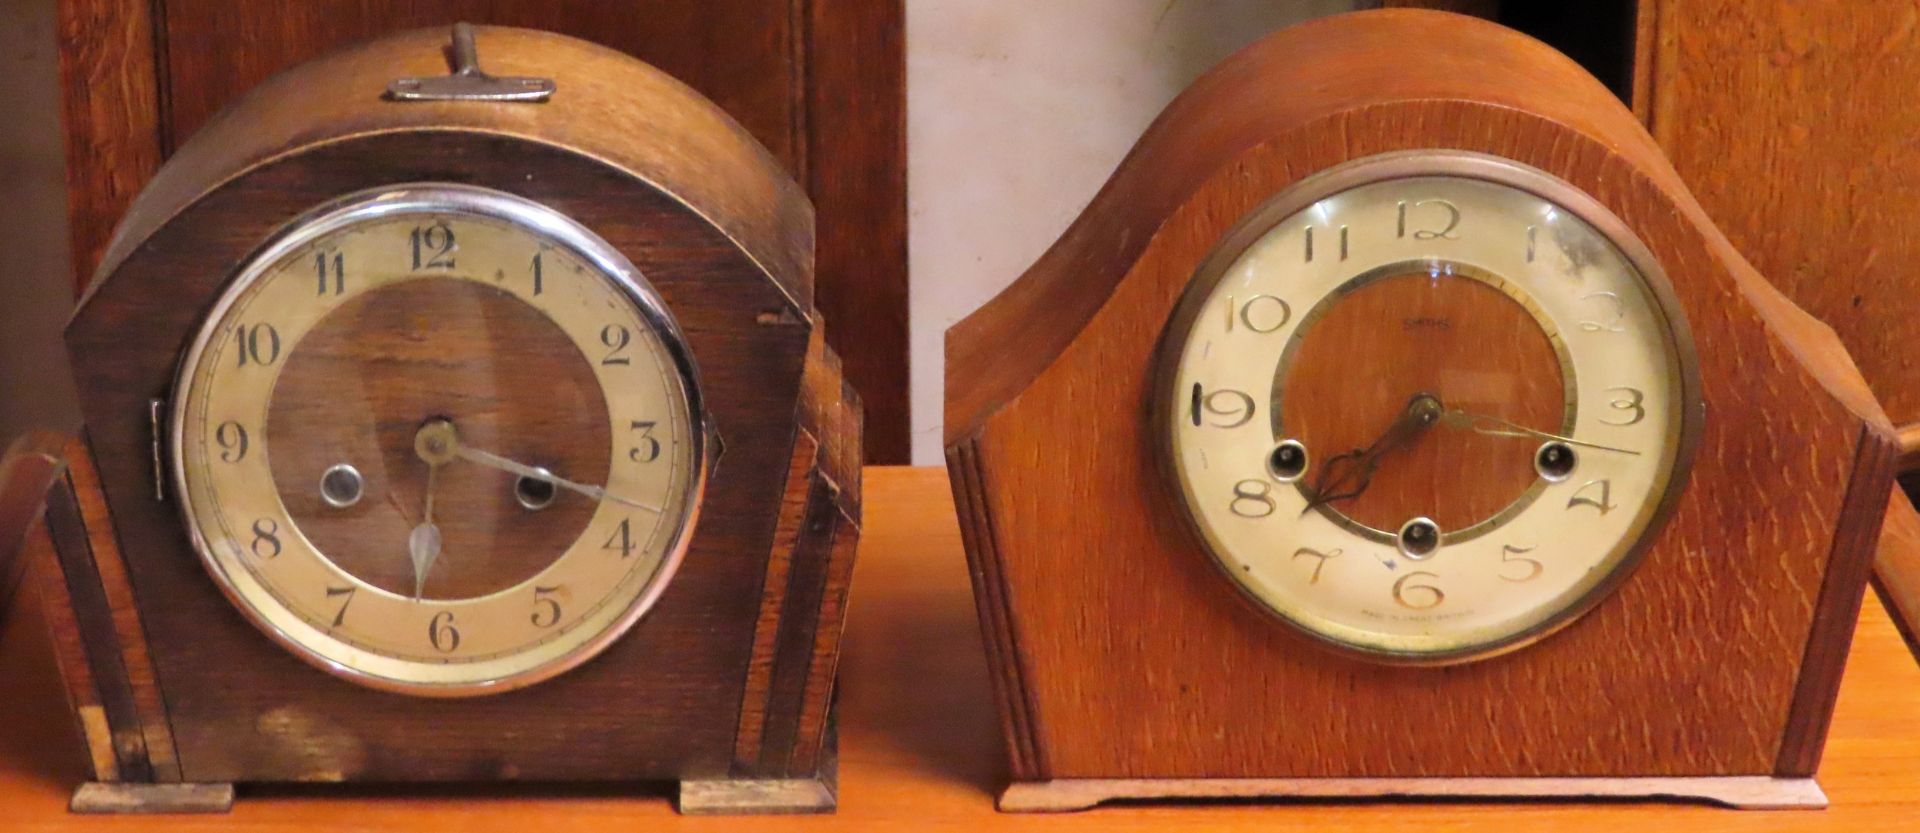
{"type": "Point", "coordinates": [1017, 112]}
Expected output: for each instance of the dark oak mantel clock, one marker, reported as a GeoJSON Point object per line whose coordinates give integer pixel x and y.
{"type": "Point", "coordinates": [458, 412]}
{"type": "Point", "coordinates": [1440, 445]}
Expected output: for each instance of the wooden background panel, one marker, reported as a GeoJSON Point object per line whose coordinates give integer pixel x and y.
{"type": "Point", "coordinates": [1791, 124]}
{"type": "Point", "coordinates": [112, 118]}
{"type": "Point", "coordinates": [857, 177]}
{"type": "Point", "coordinates": [821, 83]}
{"type": "Point", "coordinates": [743, 54]}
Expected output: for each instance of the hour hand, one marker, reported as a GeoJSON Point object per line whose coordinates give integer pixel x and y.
{"type": "Point", "coordinates": [423, 543]}
{"type": "Point", "coordinates": [1422, 411]}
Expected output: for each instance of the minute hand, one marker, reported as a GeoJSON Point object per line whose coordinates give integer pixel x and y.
{"type": "Point", "coordinates": [474, 455]}
{"type": "Point", "coordinates": [1496, 427]}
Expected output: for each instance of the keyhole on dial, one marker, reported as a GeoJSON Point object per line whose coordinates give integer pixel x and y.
{"type": "Point", "coordinates": [1288, 461]}
{"type": "Point", "coordinates": [533, 493]}
{"type": "Point", "coordinates": [1554, 461]}
{"type": "Point", "coordinates": [1419, 538]}
{"type": "Point", "coordinates": [341, 486]}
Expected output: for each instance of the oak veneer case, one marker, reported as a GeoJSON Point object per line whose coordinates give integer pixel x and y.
{"type": "Point", "coordinates": [725, 685]}
{"type": "Point", "coordinates": [1125, 665]}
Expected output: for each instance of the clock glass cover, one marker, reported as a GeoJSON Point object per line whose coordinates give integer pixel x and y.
{"type": "Point", "coordinates": [440, 440]}
{"type": "Point", "coordinates": [1427, 407]}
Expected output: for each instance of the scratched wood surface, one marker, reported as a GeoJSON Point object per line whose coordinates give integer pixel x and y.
{"type": "Point", "coordinates": [1123, 654]}
{"type": "Point", "coordinates": [919, 739]}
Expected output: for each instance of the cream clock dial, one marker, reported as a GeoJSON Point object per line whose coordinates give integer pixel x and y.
{"type": "Point", "coordinates": [1427, 407]}
{"type": "Point", "coordinates": [440, 440]}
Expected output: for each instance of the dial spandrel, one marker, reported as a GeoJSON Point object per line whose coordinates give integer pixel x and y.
{"type": "Point", "coordinates": [1426, 417]}
{"type": "Point", "coordinates": [517, 415]}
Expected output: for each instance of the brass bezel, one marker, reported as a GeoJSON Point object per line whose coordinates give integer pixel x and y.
{"type": "Point", "coordinates": [1437, 163]}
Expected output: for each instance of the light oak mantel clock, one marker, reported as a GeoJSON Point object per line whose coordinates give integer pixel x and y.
{"type": "Point", "coordinates": [1394, 422]}
{"type": "Point", "coordinates": [457, 411]}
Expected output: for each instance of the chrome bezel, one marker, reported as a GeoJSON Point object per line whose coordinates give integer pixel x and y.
{"type": "Point", "coordinates": [485, 203]}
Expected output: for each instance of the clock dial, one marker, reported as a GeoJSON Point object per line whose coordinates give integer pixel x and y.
{"type": "Point", "coordinates": [440, 440]}
{"type": "Point", "coordinates": [1428, 416]}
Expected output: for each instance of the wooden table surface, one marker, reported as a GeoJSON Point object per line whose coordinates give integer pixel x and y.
{"type": "Point", "coordinates": [919, 743]}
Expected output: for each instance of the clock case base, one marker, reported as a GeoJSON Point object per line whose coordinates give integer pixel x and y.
{"type": "Point", "coordinates": [1757, 792]}
{"type": "Point", "coordinates": [70, 556]}
{"type": "Point", "coordinates": [123, 798]}
{"type": "Point", "coordinates": [818, 793]}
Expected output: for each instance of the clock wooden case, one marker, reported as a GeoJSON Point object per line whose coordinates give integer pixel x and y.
{"type": "Point", "coordinates": [27, 470]}
{"type": "Point", "coordinates": [718, 676]}
{"type": "Point", "coordinates": [1141, 655]}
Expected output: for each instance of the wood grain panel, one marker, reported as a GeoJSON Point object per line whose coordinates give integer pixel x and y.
{"type": "Point", "coordinates": [754, 704]}
{"type": "Point", "coordinates": [742, 54]}
{"type": "Point", "coordinates": [69, 652]}
{"type": "Point", "coordinates": [1493, 356]}
{"type": "Point", "coordinates": [112, 723]}
{"type": "Point", "coordinates": [521, 388]}
{"type": "Point", "coordinates": [108, 62]}
{"type": "Point", "coordinates": [1786, 120]}
{"type": "Point", "coordinates": [830, 411]}
{"type": "Point", "coordinates": [856, 146]}
{"type": "Point", "coordinates": [1153, 670]}
{"type": "Point", "coordinates": [129, 634]}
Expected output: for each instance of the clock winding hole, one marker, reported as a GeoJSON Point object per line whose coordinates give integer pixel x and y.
{"type": "Point", "coordinates": [534, 494]}
{"type": "Point", "coordinates": [341, 486]}
{"type": "Point", "coordinates": [1288, 461]}
{"type": "Point", "coordinates": [1554, 461]}
{"type": "Point", "coordinates": [1419, 538]}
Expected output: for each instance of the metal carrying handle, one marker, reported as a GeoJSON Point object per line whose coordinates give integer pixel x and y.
{"type": "Point", "coordinates": [468, 82]}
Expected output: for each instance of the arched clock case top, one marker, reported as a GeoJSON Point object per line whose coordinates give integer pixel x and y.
{"type": "Point", "coordinates": [1126, 664]}
{"type": "Point", "coordinates": [723, 680]}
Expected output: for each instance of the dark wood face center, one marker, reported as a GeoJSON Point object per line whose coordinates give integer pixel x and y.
{"type": "Point", "coordinates": [1455, 338]}
{"type": "Point", "coordinates": [359, 386]}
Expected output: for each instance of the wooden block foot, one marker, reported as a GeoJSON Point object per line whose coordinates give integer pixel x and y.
{"type": "Point", "coordinates": [744, 796]}
{"type": "Point", "coordinates": [1742, 792]}
{"type": "Point", "coordinates": [116, 797]}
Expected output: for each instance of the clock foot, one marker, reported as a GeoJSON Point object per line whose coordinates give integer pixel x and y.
{"type": "Point", "coordinates": [816, 793]}
{"type": "Point", "coordinates": [1757, 792]}
{"type": "Point", "coordinates": [752, 796]}
{"type": "Point", "coordinates": [131, 798]}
